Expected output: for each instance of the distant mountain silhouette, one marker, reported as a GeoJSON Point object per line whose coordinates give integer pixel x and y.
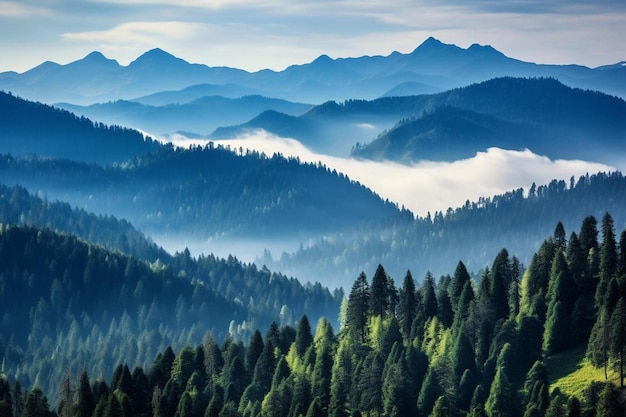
{"type": "Point", "coordinates": [194, 92]}
{"type": "Point", "coordinates": [201, 115]}
{"type": "Point", "coordinates": [28, 128]}
{"type": "Point", "coordinates": [511, 113]}
{"type": "Point", "coordinates": [434, 64]}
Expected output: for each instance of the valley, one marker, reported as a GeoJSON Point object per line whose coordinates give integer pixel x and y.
{"type": "Point", "coordinates": [434, 233]}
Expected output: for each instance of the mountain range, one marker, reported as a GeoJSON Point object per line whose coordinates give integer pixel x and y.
{"type": "Point", "coordinates": [540, 114]}
{"type": "Point", "coordinates": [433, 66]}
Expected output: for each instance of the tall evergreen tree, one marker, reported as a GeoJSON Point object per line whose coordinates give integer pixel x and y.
{"type": "Point", "coordinates": [618, 336]}
{"type": "Point", "coordinates": [460, 278]}
{"type": "Point", "coordinates": [379, 298]}
{"type": "Point", "coordinates": [499, 283]}
{"type": "Point", "coordinates": [609, 261]}
{"type": "Point", "coordinates": [429, 297]}
{"type": "Point", "coordinates": [85, 401]}
{"type": "Point", "coordinates": [304, 337]}
{"type": "Point", "coordinates": [358, 308]}
{"type": "Point", "coordinates": [407, 306]}
{"type": "Point", "coordinates": [559, 237]}
{"type": "Point", "coordinates": [253, 351]}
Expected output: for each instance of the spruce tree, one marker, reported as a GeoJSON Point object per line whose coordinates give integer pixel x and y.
{"type": "Point", "coordinates": [460, 278]}
{"type": "Point", "coordinates": [407, 306]}
{"type": "Point", "coordinates": [379, 300]}
{"type": "Point", "coordinates": [609, 261]}
{"type": "Point", "coordinates": [618, 336]}
{"type": "Point", "coordinates": [253, 351]}
{"type": "Point", "coordinates": [304, 337]}
{"type": "Point", "coordinates": [358, 308]}
{"type": "Point", "coordinates": [429, 298]}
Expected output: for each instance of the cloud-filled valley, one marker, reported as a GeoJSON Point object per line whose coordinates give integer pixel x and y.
{"type": "Point", "coordinates": [428, 186]}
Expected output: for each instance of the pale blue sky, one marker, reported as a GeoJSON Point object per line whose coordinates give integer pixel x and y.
{"type": "Point", "coordinates": [257, 34]}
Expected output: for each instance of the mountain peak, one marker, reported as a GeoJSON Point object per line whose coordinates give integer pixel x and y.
{"type": "Point", "coordinates": [322, 59]}
{"type": "Point", "coordinates": [156, 55]}
{"type": "Point", "coordinates": [431, 45]}
{"type": "Point", "coordinates": [484, 49]}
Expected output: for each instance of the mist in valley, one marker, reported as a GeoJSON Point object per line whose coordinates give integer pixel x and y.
{"type": "Point", "coordinates": [426, 187]}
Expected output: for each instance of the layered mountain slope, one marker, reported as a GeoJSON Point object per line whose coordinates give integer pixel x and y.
{"type": "Point", "coordinates": [542, 115]}
{"type": "Point", "coordinates": [29, 128]}
{"type": "Point", "coordinates": [201, 115]}
{"type": "Point", "coordinates": [208, 191]}
{"type": "Point", "coordinates": [518, 220]}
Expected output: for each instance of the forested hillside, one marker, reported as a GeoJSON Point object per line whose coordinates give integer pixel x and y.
{"type": "Point", "coordinates": [29, 128]}
{"type": "Point", "coordinates": [68, 304]}
{"type": "Point", "coordinates": [518, 220]}
{"type": "Point", "coordinates": [19, 207]}
{"type": "Point", "coordinates": [202, 192]}
{"type": "Point", "coordinates": [540, 114]}
{"type": "Point", "coordinates": [451, 347]}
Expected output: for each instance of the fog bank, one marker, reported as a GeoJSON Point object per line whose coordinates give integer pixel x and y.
{"type": "Point", "coordinates": [428, 186]}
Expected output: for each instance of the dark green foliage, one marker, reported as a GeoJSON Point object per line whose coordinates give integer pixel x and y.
{"type": "Point", "coordinates": [445, 313]}
{"type": "Point", "coordinates": [253, 351]}
{"type": "Point", "coordinates": [502, 399]}
{"type": "Point", "coordinates": [474, 365]}
{"type": "Point", "coordinates": [379, 299]}
{"type": "Point", "coordinates": [617, 337]}
{"type": "Point", "coordinates": [460, 278]}
{"type": "Point", "coordinates": [407, 306]}
{"type": "Point", "coordinates": [609, 261]}
{"type": "Point", "coordinates": [499, 282]}
{"type": "Point", "coordinates": [304, 338]}
{"type": "Point", "coordinates": [429, 298]}
{"type": "Point", "coordinates": [430, 391]}
{"type": "Point", "coordinates": [358, 307]}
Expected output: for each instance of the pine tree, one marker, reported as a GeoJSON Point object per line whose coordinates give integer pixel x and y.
{"type": "Point", "coordinates": [618, 336]}
{"type": "Point", "coordinates": [86, 403]}
{"type": "Point", "coordinates": [379, 301]}
{"type": "Point", "coordinates": [459, 280]}
{"type": "Point", "coordinates": [304, 337]}
{"type": "Point", "coordinates": [499, 283]}
{"type": "Point", "coordinates": [358, 308]}
{"type": "Point", "coordinates": [407, 306]}
{"type": "Point", "coordinates": [501, 400]}
{"type": "Point", "coordinates": [253, 351]}
{"type": "Point", "coordinates": [430, 391]}
{"type": "Point", "coordinates": [429, 298]}
{"type": "Point", "coordinates": [608, 402]}
{"type": "Point", "coordinates": [609, 261]}
{"type": "Point", "coordinates": [340, 383]}
{"type": "Point", "coordinates": [559, 237]}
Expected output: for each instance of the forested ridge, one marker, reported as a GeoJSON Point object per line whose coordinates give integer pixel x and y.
{"type": "Point", "coordinates": [518, 220]}
{"type": "Point", "coordinates": [19, 207]}
{"type": "Point", "coordinates": [29, 128]}
{"type": "Point", "coordinates": [540, 114]}
{"type": "Point", "coordinates": [207, 191]}
{"type": "Point", "coordinates": [67, 304]}
{"type": "Point", "coordinates": [449, 347]}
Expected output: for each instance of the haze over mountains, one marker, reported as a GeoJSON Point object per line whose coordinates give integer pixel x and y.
{"type": "Point", "coordinates": [520, 150]}
{"type": "Point", "coordinates": [431, 67]}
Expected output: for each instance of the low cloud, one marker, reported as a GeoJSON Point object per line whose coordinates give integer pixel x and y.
{"type": "Point", "coordinates": [429, 186]}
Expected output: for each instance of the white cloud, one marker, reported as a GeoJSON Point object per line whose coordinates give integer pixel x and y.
{"type": "Point", "coordinates": [140, 34]}
{"type": "Point", "coordinates": [429, 186]}
{"type": "Point", "coordinates": [21, 9]}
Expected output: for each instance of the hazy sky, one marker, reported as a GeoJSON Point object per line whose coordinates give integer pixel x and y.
{"type": "Point", "coordinates": [275, 33]}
